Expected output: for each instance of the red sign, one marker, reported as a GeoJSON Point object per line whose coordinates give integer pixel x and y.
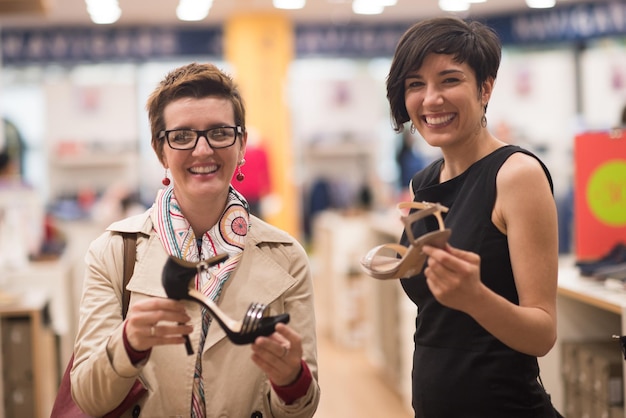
{"type": "Point", "coordinates": [600, 193]}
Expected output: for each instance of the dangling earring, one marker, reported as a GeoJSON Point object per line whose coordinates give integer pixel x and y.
{"type": "Point", "coordinates": [412, 129]}
{"type": "Point", "coordinates": [166, 180]}
{"type": "Point", "coordinates": [483, 120]}
{"type": "Point", "coordinates": [240, 176]}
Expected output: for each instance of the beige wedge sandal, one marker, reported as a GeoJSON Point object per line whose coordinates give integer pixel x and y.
{"type": "Point", "coordinates": [382, 262]}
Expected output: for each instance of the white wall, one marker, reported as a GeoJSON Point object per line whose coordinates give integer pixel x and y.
{"type": "Point", "coordinates": [604, 84]}
{"type": "Point", "coordinates": [535, 96]}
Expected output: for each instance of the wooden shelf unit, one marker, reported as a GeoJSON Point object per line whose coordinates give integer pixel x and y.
{"type": "Point", "coordinates": [586, 311]}
{"type": "Point", "coordinates": [28, 362]}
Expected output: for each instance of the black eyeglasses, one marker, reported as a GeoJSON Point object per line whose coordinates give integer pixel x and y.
{"type": "Point", "coordinates": [184, 139]}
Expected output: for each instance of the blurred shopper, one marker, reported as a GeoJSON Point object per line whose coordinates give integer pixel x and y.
{"type": "Point", "coordinates": [409, 160]}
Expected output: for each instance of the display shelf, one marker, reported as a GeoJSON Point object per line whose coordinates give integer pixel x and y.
{"type": "Point", "coordinates": [28, 359]}
{"type": "Point", "coordinates": [361, 312]}
{"type": "Point", "coordinates": [52, 279]}
{"type": "Point", "coordinates": [339, 242]}
{"type": "Point", "coordinates": [72, 174]}
{"type": "Point", "coordinates": [587, 290]}
{"type": "Point", "coordinates": [586, 311]}
{"type": "Point", "coordinates": [82, 161]}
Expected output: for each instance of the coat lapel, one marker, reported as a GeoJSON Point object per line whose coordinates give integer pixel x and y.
{"type": "Point", "coordinates": [258, 278]}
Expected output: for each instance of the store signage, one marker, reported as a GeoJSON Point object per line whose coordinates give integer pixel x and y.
{"type": "Point", "coordinates": [362, 41]}
{"type": "Point", "coordinates": [600, 198]}
{"type": "Point", "coordinates": [575, 22]}
{"type": "Point", "coordinates": [116, 44]}
{"type": "Point", "coordinates": [565, 23]}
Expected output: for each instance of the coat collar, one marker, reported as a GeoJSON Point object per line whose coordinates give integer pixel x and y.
{"type": "Point", "coordinates": [257, 278]}
{"type": "Point", "coordinates": [260, 231]}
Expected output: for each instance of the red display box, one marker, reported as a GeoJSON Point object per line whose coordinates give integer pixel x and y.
{"type": "Point", "coordinates": [600, 193]}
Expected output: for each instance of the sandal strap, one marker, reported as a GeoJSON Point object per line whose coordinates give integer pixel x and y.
{"type": "Point", "coordinates": [421, 205]}
{"type": "Point", "coordinates": [425, 209]}
{"type": "Point", "coordinates": [374, 252]}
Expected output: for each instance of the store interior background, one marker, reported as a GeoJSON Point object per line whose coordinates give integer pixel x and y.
{"type": "Point", "coordinates": [88, 148]}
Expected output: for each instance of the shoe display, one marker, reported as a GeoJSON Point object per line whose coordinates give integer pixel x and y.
{"type": "Point", "coordinates": [382, 262]}
{"type": "Point", "coordinates": [177, 278]}
{"type": "Point", "coordinates": [617, 255]}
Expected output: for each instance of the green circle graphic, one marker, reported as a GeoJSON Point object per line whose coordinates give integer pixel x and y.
{"type": "Point", "coordinates": [606, 193]}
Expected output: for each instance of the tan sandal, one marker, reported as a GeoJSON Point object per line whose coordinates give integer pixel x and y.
{"type": "Point", "coordinates": [382, 262]}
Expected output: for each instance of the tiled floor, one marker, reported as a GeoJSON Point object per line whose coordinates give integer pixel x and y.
{"type": "Point", "coordinates": [352, 388]}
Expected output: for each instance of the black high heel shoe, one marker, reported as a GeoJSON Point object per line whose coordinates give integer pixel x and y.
{"type": "Point", "coordinates": [176, 278]}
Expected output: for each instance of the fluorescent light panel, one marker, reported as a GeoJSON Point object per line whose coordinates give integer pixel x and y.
{"type": "Point", "coordinates": [454, 5]}
{"type": "Point", "coordinates": [103, 12]}
{"type": "Point", "coordinates": [540, 4]}
{"type": "Point", "coordinates": [193, 10]}
{"type": "Point", "coordinates": [289, 4]}
{"type": "Point", "coordinates": [371, 7]}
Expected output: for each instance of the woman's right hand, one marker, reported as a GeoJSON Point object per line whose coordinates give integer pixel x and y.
{"type": "Point", "coordinates": [156, 321]}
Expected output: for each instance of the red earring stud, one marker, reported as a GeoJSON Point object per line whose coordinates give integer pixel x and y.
{"type": "Point", "coordinates": [240, 176]}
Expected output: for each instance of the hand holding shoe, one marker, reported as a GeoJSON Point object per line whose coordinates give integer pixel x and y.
{"type": "Point", "coordinates": [279, 355]}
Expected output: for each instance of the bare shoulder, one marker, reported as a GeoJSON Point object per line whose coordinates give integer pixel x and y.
{"type": "Point", "coordinates": [522, 189]}
{"type": "Point", "coordinates": [520, 169]}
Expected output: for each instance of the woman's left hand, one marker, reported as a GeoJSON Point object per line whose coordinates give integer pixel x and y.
{"type": "Point", "coordinates": [453, 276]}
{"type": "Point", "coordinates": [279, 355]}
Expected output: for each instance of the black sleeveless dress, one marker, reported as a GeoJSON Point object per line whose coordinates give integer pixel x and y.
{"type": "Point", "coordinates": [459, 369]}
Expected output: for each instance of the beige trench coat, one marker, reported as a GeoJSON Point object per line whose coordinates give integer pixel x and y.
{"type": "Point", "coordinates": [274, 270]}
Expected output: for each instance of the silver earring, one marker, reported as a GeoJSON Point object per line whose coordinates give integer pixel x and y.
{"type": "Point", "coordinates": [483, 121]}
{"type": "Point", "coordinates": [412, 128]}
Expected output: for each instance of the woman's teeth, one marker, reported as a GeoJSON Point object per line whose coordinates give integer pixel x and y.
{"type": "Point", "coordinates": [438, 120]}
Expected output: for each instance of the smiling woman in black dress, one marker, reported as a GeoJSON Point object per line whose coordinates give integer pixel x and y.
{"type": "Point", "coordinates": [487, 300]}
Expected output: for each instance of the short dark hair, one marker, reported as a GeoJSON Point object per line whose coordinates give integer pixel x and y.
{"type": "Point", "coordinates": [191, 80]}
{"type": "Point", "coordinates": [470, 42]}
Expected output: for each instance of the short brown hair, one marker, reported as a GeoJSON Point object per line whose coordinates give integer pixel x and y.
{"type": "Point", "coordinates": [191, 80]}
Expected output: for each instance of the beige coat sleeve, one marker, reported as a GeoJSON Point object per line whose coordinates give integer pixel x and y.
{"type": "Point", "coordinates": [97, 381]}
{"type": "Point", "coordinates": [299, 302]}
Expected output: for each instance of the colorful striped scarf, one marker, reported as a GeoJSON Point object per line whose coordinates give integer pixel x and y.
{"type": "Point", "coordinates": [178, 239]}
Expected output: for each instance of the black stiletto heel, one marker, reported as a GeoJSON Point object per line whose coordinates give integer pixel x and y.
{"type": "Point", "coordinates": [176, 278]}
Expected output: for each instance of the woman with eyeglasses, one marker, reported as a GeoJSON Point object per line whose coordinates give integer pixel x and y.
{"type": "Point", "coordinates": [198, 125]}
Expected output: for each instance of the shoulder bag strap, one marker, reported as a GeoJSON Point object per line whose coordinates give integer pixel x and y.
{"type": "Point", "coordinates": [130, 254]}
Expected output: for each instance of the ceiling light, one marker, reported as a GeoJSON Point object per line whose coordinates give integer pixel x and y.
{"type": "Point", "coordinates": [289, 4]}
{"type": "Point", "coordinates": [103, 12]}
{"type": "Point", "coordinates": [193, 10]}
{"type": "Point", "coordinates": [540, 4]}
{"type": "Point", "coordinates": [361, 8]}
{"type": "Point", "coordinates": [385, 3]}
{"type": "Point", "coordinates": [367, 7]}
{"type": "Point", "coordinates": [454, 5]}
